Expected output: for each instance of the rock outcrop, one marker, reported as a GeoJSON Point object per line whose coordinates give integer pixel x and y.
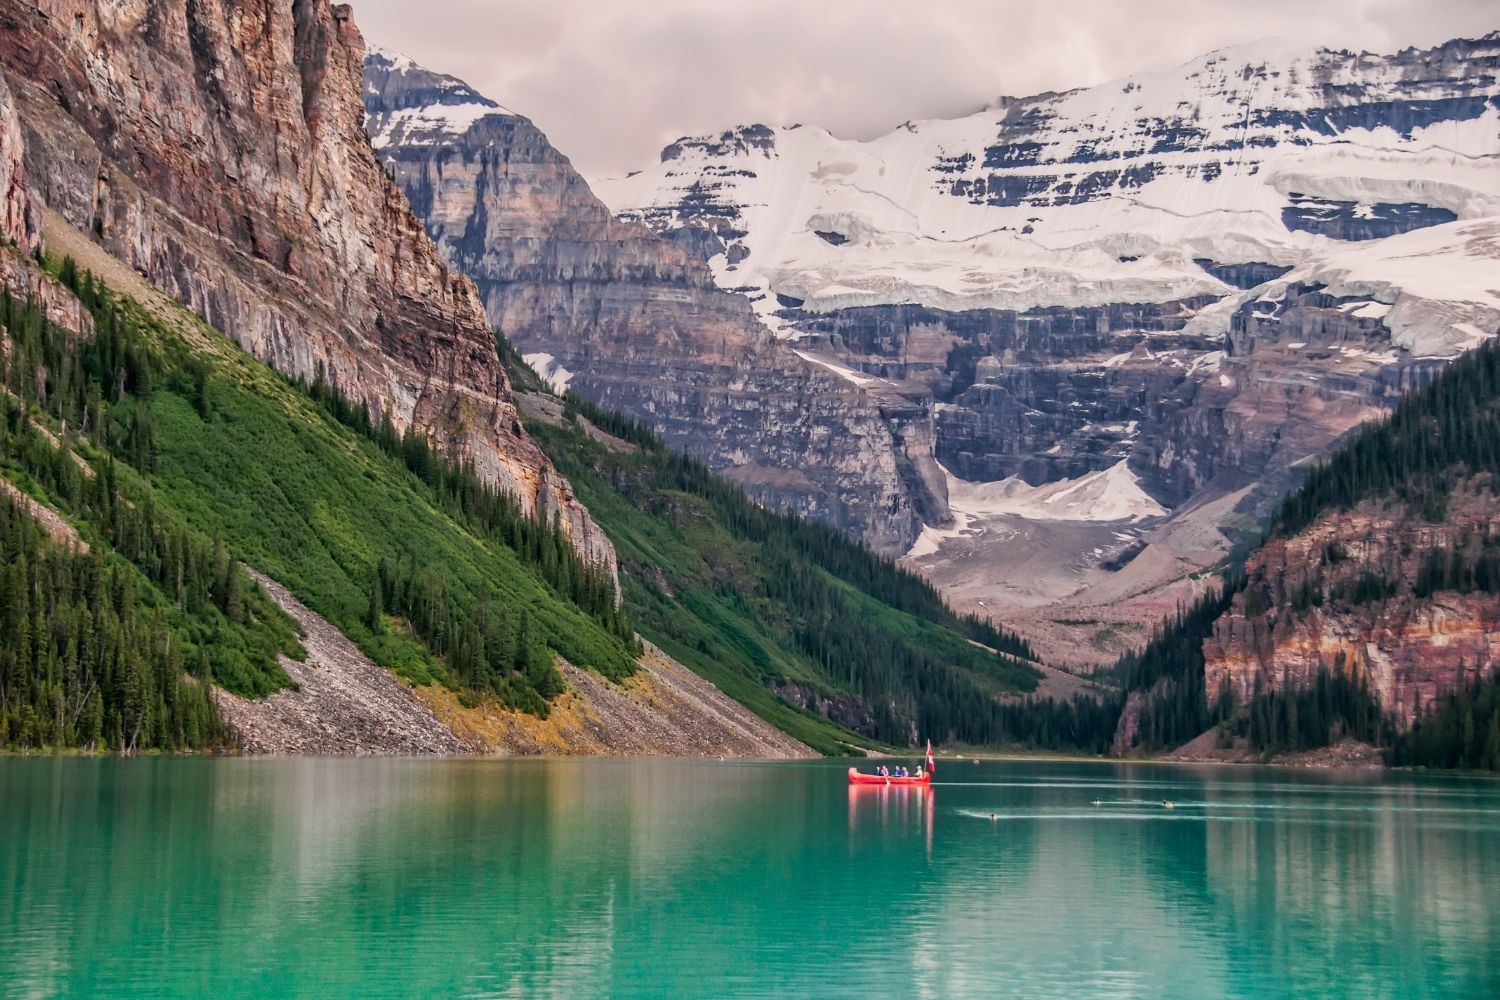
{"type": "Point", "coordinates": [218, 148]}
{"type": "Point", "coordinates": [636, 322]}
{"type": "Point", "coordinates": [1339, 596]}
{"type": "Point", "coordinates": [18, 224]}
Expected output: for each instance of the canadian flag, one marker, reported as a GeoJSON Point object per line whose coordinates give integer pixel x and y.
{"type": "Point", "coordinates": [931, 764]}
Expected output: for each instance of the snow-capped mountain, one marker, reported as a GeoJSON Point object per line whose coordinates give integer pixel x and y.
{"type": "Point", "coordinates": [1062, 351]}
{"type": "Point", "coordinates": [1158, 187]}
{"type": "Point", "coordinates": [1208, 274]}
{"type": "Point", "coordinates": [627, 318]}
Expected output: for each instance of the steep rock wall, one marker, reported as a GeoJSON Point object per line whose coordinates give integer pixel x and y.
{"type": "Point", "coordinates": [1191, 401]}
{"type": "Point", "coordinates": [1410, 650]}
{"type": "Point", "coordinates": [218, 149]}
{"type": "Point", "coordinates": [18, 223]}
{"type": "Point", "coordinates": [635, 321]}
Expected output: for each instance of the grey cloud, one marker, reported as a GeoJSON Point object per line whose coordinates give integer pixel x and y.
{"type": "Point", "coordinates": [611, 82]}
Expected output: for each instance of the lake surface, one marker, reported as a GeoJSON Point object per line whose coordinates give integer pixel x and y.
{"type": "Point", "coordinates": [579, 878]}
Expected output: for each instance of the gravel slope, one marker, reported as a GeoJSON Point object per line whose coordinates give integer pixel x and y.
{"type": "Point", "coordinates": [344, 703]}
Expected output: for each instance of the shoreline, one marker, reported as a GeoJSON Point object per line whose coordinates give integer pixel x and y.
{"type": "Point", "coordinates": [1040, 757]}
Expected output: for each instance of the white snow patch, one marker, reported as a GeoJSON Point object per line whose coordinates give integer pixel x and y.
{"type": "Point", "coordinates": [1208, 362]}
{"type": "Point", "coordinates": [550, 371]}
{"type": "Point", "coordinates": [851, 375]}
{"type": "Point", "coordinates": [1371, 310]}
{"type": "Point", "coordinates": [398, 61]}
{"type": "Point", "coordinates": [927, 542]}
{"type": "Point", "coordinates": [1111, 495]}
{"type": "Point", "coordinates": [431, 125]}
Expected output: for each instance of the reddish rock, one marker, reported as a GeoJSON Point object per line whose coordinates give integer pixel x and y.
{"type": "Point", "coordinates": [218, 148]}
{"type": "Point", "coordinates": [17, 216]}
{"type": "Point", "coordinates": [1409, 650]}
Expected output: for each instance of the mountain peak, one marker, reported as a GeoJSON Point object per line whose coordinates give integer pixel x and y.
{"type": "Point", "coordinates": [417, 106]}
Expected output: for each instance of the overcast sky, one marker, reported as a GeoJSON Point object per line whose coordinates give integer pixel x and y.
{"type": "Point", "coordinates": [612, 81]}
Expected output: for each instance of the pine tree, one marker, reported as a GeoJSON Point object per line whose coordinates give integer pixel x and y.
{"type": "Point", "coordinates": [375, 612]}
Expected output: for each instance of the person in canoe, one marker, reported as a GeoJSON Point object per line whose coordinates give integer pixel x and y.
{"type": "Point", "coordinates": [885, 775]}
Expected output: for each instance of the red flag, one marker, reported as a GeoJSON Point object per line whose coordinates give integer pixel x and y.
{"type": "Point", "coordinates": [931, 765]}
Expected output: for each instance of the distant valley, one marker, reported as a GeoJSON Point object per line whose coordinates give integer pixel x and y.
{"type": "Point", "coordinates": [1181, 285]}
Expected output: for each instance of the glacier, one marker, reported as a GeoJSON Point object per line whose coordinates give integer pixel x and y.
{"type": "Point", "coordinates": [1109, 194]}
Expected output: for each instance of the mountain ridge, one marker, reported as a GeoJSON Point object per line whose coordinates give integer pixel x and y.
{"type": "Point", "coordinates": [636, 322]}
{"type": "Point", "coordinates": [1213, 272]}
{"type": "Point", "coordinates": [219, 150]}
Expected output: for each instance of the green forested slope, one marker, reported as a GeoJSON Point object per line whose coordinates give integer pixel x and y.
{"type": "Point", "coordinates": [1447, 430]}
{"type": "Point", "coordinates": [759, 601]}
{"type": "Point", "coordinates": [1444, 434]}
{"type": "Point", "coordinates": [176, 455]}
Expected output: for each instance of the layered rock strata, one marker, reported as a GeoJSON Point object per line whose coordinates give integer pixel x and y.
{"type": "Point", "coordinates": [636, 322]}
{"type": "Point", "coordinates": [18, 225]}
{"type": "Point", "coordinates": [218, 149]}
{"type": "Point", "coordinates": [1339, 596]}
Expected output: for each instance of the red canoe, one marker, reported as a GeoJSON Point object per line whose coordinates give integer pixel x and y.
{"type": "Point", "coordinates": [856, 778]}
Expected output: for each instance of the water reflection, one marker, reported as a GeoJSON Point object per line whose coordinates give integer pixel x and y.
{"type": "Point", "coordinates": [686, 879]}
{"type": "Point", "coordinates": [888, 805]}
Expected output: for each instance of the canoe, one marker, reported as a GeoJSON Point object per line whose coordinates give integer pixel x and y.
{"type": "Point", "coordinates": [857, 778]}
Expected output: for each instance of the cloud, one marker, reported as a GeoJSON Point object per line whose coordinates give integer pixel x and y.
{"type": "Point", "coordinates": [612, 82]}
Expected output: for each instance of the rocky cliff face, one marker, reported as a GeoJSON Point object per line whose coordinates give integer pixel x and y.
{"type": "Point", "coordinates": [636, 322]}
{"type": "Point", "coordinates": [218, 149]}
{"type": "Point", "coordinates": [1339, 596]}
{"type": "Point", "coordinates": [1209, 273]}
{"type": "Point", "coordinates": [18, 223]}
{"type": "Point", "coordinates": [20, 232]}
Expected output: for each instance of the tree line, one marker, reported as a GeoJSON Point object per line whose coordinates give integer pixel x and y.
{"type": "Point", "coordinates": [1173, 706]}
{"type": "Point", "coordinates": [1463, 732]}
{"type": "Point", "coordinates": [89, 658]}
{"type": "Point", "coordinates": [1439, 436]}
{"type": "Point", "coordinates": [495, 514]}
{"type": "Point", "coordinates": [485, 648]}
{"type": "Point", "coordinates": [848, 560]}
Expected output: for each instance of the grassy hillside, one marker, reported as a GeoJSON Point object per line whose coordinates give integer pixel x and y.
{"type": "Point", "coordinates": [176, 454]}
{"type": "Point", "coordinates": [772, 608]}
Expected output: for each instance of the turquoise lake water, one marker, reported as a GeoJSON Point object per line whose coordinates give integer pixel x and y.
{"type": "Point", "coordinates": [578, 878]}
